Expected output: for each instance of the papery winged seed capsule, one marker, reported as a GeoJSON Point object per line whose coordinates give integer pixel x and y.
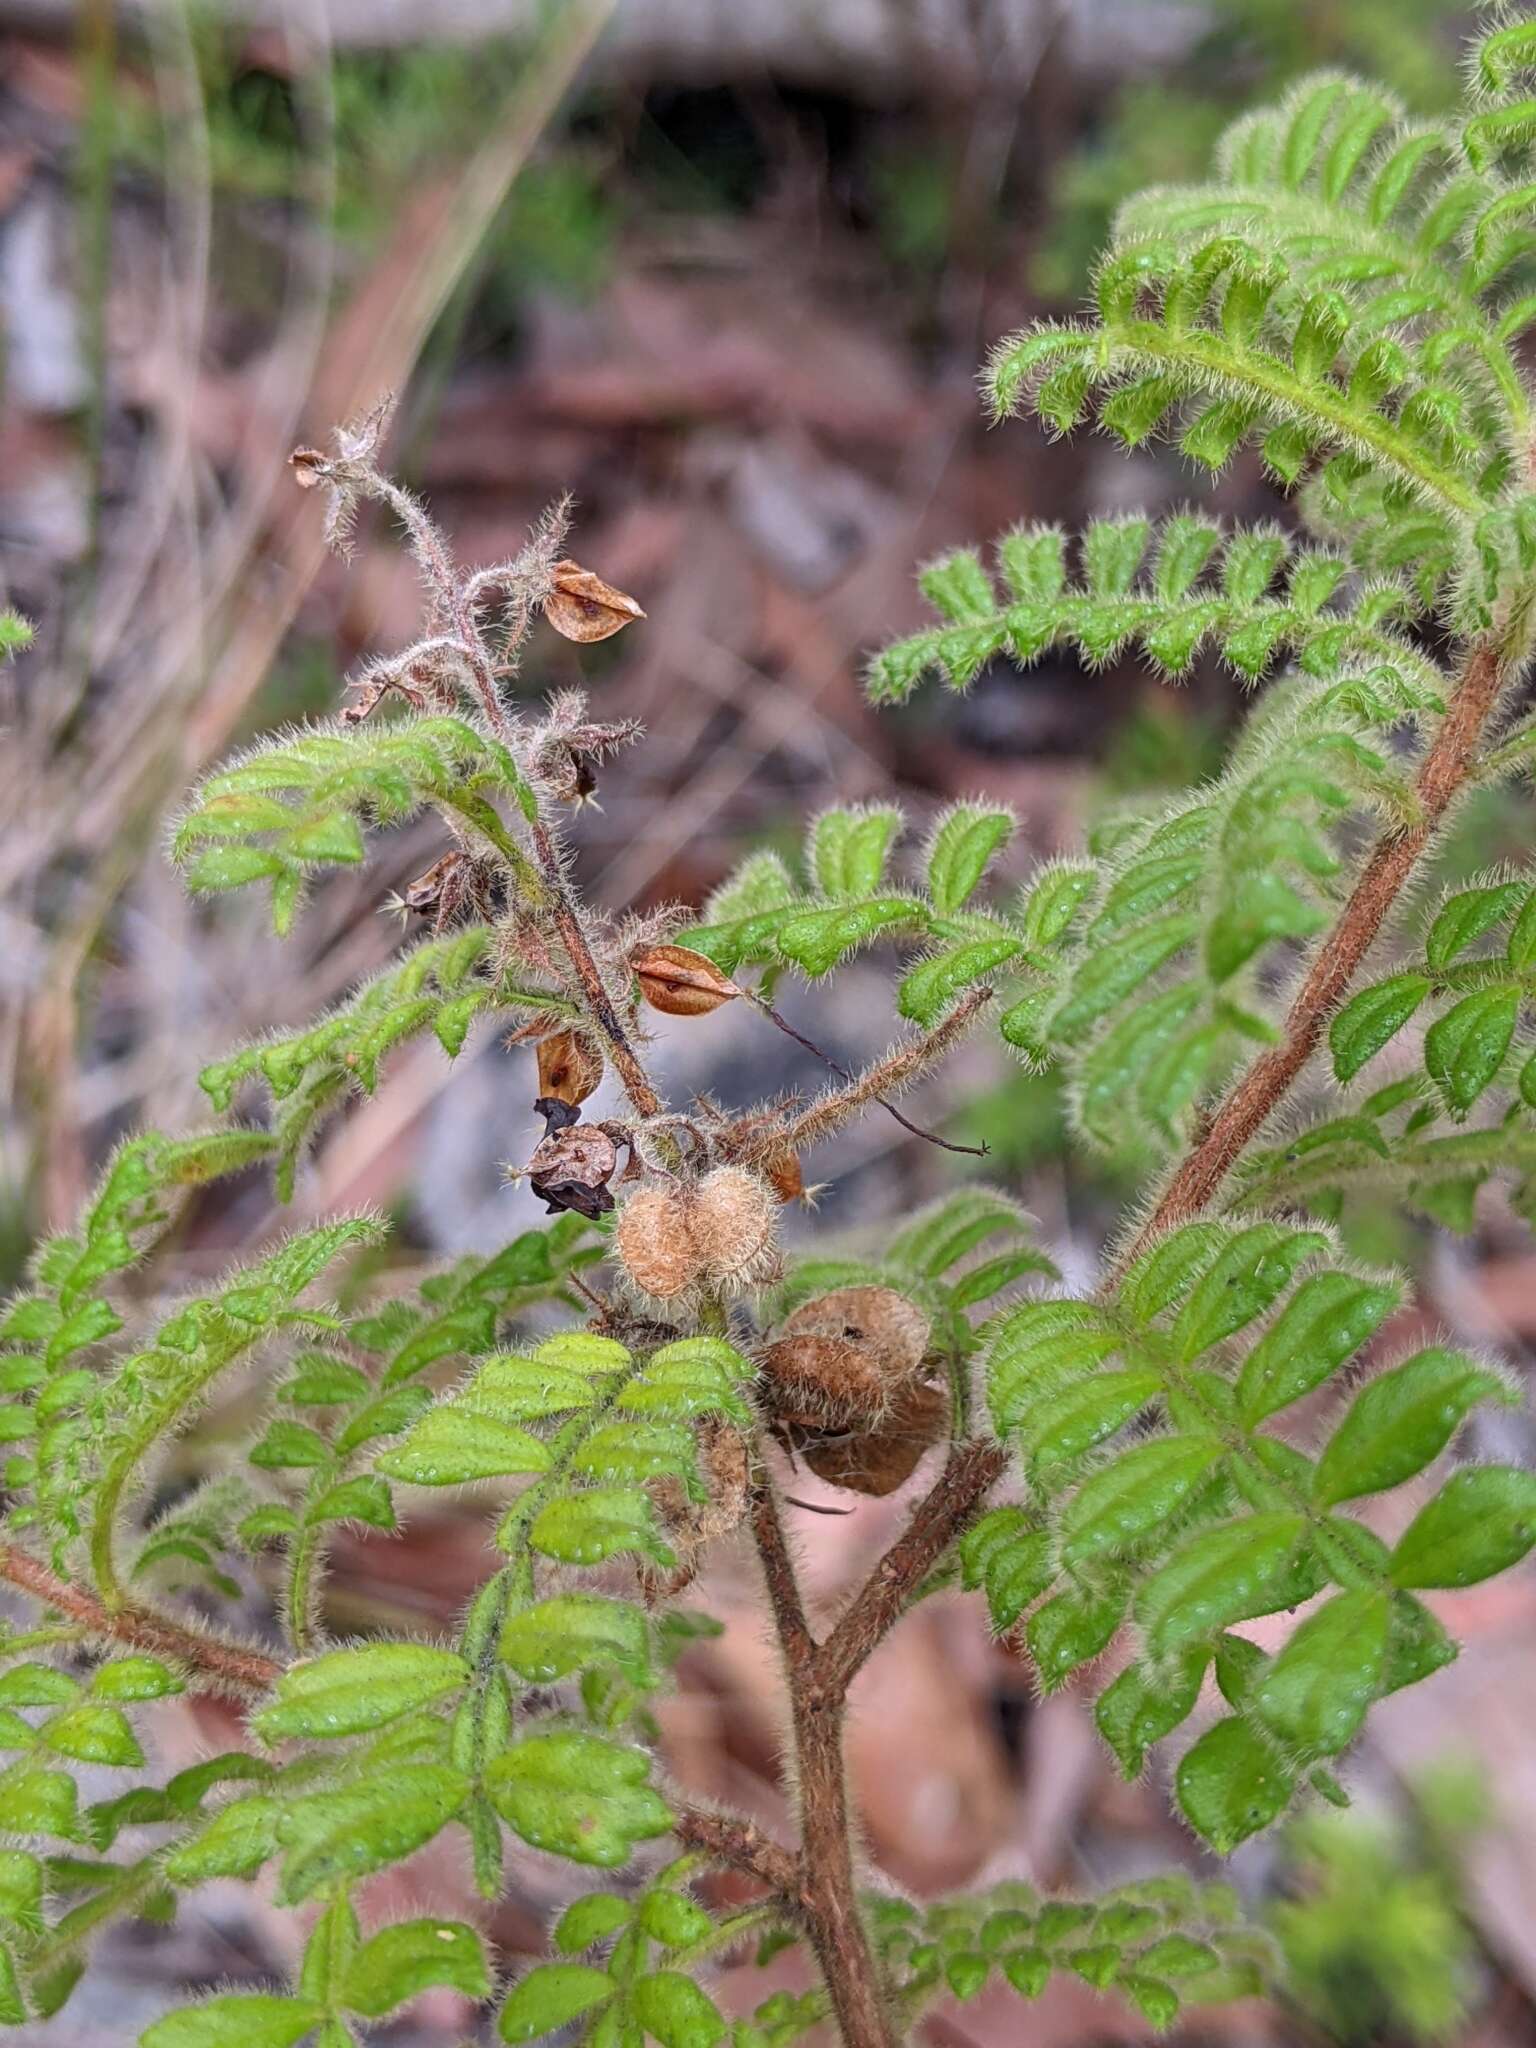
{"type": "Point", "coordinates": [582, 607]}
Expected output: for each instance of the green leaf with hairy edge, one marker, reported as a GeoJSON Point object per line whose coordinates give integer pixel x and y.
{"type": "Point", "coordinates": [953, 1228]}
{"type": "Point", "coordinates": [1464, 1049]}
{"type": "Point", "coordinates": [1520, 954]}
{"type": "Point", "coordinates": [235, 1843]}
{"type": "Point", "coordinates": [583, 1351]}
{"type": "Point", "coordinates": [1373, 1017]}
{"type": "Point", "coordinates": [932, 986]}
{"type": "Point", "coordinates": [1250, 1273]}
{"type": "Point", "coordinates": [1134, 1497]}
{"type": "Point", "coordinates": [410, 1957]}
{"type": "Point", "coordinates": [1255, 911]}
{"type": "Point", "coordinates": [456, 1445]}
{"type": "Point", "coordinates": [1165, 1272]}
{"type": "Point", "coordinates": [1113, 972]}
{"type": "Point", "coordinates": [1326, 1320]}
{"type": "Point", "coordinates": [1065, 1425]}
{"type": "Point", "coordinates": [1480, 1522]}
{"type": "Point", "coordinates": [603, 1522]}
{"type": "Point", "coordinates": [673, 1919]}
{"type": "Point", "coordinates": [550, 1997]}
{"type": "Point", "coordinates": [1231, 1784]}
{"type": "Point", "coordinates": [1464, 919]}
{"type": "Point", "coordinates": [578, 1796]}
{"type": "Point", "coordinates": [93, 1735]}
{"type": "Point", "coordinates": [1230, 1573]}
{"type": "Point", "coordinates": [21, 1889]}
{"type": "Point", "coordinates": [364, 1499]}
{"type": "Point", "coordinates": [569, 1631]}
{"type": "Point", "coordinates": [1400, 1421]}
{"type": "Point", "coordinates": [1417, 1644]}
{"type": "Point", "coordinates": [240, 2020]}
{"type": "Point", "coordinates": [366, 1826]}
{"type": "Point", "coordinates": [37, 1685]}
{"type": "Point", "coordinates": [1009, 1556]}
{"type": "Point", "coordinates": [513, 1389]}
{"type": "Point", "coordinates": [34, 1802]}
{"type": "Point", "coordinates": [591, 1919]}
{"type": "Point", "coordinates": [1315, 1693]}
{"type": "Point", "coordinates": [346, 1692]}
{"type": "Point", "coordinates": [1140, 1707]}
{"type": "Point", "coordinates": [230, 867]}
{"type": "Point", "coordinates": [1040, 1347]}
{"type": "Point", "coordinates": [135, 1678]}
{"type": "Point", "coordinates": [965, 842]}
{"type": "Point", "coordinates": [675, 2012]}
{"type": "Point", "coordinates": [848, 850]}
{"type": "Point", "coordinates": [1051, 903]}
{"type": "Point", "coordinates": [1070, 1630]}
{"type": "Point", "coordinates": [816, 940]}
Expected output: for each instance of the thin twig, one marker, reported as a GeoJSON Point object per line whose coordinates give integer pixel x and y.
{"type": "Point", "coordinates": [1254, 1097]}
{"type": "Point", "coordinates": [223, 1667]}
{"type": "Point", "coordinates": [762, 1003]}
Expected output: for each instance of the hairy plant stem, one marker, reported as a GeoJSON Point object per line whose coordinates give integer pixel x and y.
{"type": "Point", "coordinates": [1251, 1101]}
{"type": "Point", "coordinates": [818, 1675]}
{"type": "Point", "coordinates": [220, 1666]}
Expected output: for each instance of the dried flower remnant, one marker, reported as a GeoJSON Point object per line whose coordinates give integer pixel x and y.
{"type": "Point", "coordinates": [573, 1162]}
{"type": "Point", "coordinates": [582, 607]}
{"type": "Point", "coordinates": [569, 1068]}
{"type": "Point", "coordinates": [679, 982]}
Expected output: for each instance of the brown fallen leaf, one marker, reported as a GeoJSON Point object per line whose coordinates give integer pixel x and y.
{"type": "Point", "coordinates": [581, 606]}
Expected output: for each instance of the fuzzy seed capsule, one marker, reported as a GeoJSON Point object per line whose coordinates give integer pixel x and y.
{"type": "Point", "coordinates": [655, 1245]}
{"type": "Point", "coordinates": [679, 982]}
{"type": "Point", "coordinates": [734, 1223]}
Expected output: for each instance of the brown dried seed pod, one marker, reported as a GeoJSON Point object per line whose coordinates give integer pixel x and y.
{"type": "Point", "coordinates": [816, 1383]}
{"type": "Point", "coordinates": [890, 1332]}
{"type": "Point", "coordinates": [879, 1462]}
{"type": "Point", "coordinates": [308, 465]}
{"type": "Point", "coordinates": [733, 1218]}
{"type": "Point", "coordinates": [569, 1068]}
{"type": "Point", "coordinates": [655, 1244]}
{"type": "Point", "coordinates": [681, 983]}
{"type": "Point", "coordinates": [581, 606]}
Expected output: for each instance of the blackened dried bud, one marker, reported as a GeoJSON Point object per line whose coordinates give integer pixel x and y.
{"type": "Point", "coordinates": [573, 1162]}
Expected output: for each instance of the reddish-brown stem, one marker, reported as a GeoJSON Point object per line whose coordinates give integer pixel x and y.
{"type": "Point", "coordinates": [219, 1666]}
{"type": "Point", "coordinates": [599, 1003]}
{"type": "Point", "coordinates": [1253, 1099]}
{"type": "Point", "coordinates": [743, 1846]}
{"type": "Point", "coordinates": [943, 1514]}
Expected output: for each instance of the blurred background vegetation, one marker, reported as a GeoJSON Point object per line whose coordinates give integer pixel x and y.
{"type": "Point", "coordinates": [724, 268]}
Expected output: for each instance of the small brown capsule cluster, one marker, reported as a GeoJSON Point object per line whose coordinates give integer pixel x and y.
{"type": "Point", "coordinates": [717, 1232]}
{"type": "Point", "coordinates": [569, 1068]}
{"type": "Point", "coordinates": [679, 982]}
{"type": "Point", "coordinates": [581, 606]}
{"type": "Point", "coordinates": [844, 1387]}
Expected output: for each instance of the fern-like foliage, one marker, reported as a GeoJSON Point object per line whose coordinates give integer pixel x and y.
{"type": "Point", "coordinates": [1126, 1472]}
{"type": "Point", "coordinates": [1156, 1496]}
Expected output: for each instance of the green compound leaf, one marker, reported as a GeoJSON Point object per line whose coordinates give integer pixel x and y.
{"type": "Point", "coordinates": [1326, 1320]}
{"type": "Point", "coordinates": [578, 1796]}
{"type": "Point", "coordinates": [1231, 1784]}
{"type": "Point", "coordinates": [413, 1956]}
{"type": "Point", "coordinates": [1230, 1573]}
{"type": "Point", "coordinates": [1132, 1499]}
{"type": "Point", "coordinates": [348, 1691]}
